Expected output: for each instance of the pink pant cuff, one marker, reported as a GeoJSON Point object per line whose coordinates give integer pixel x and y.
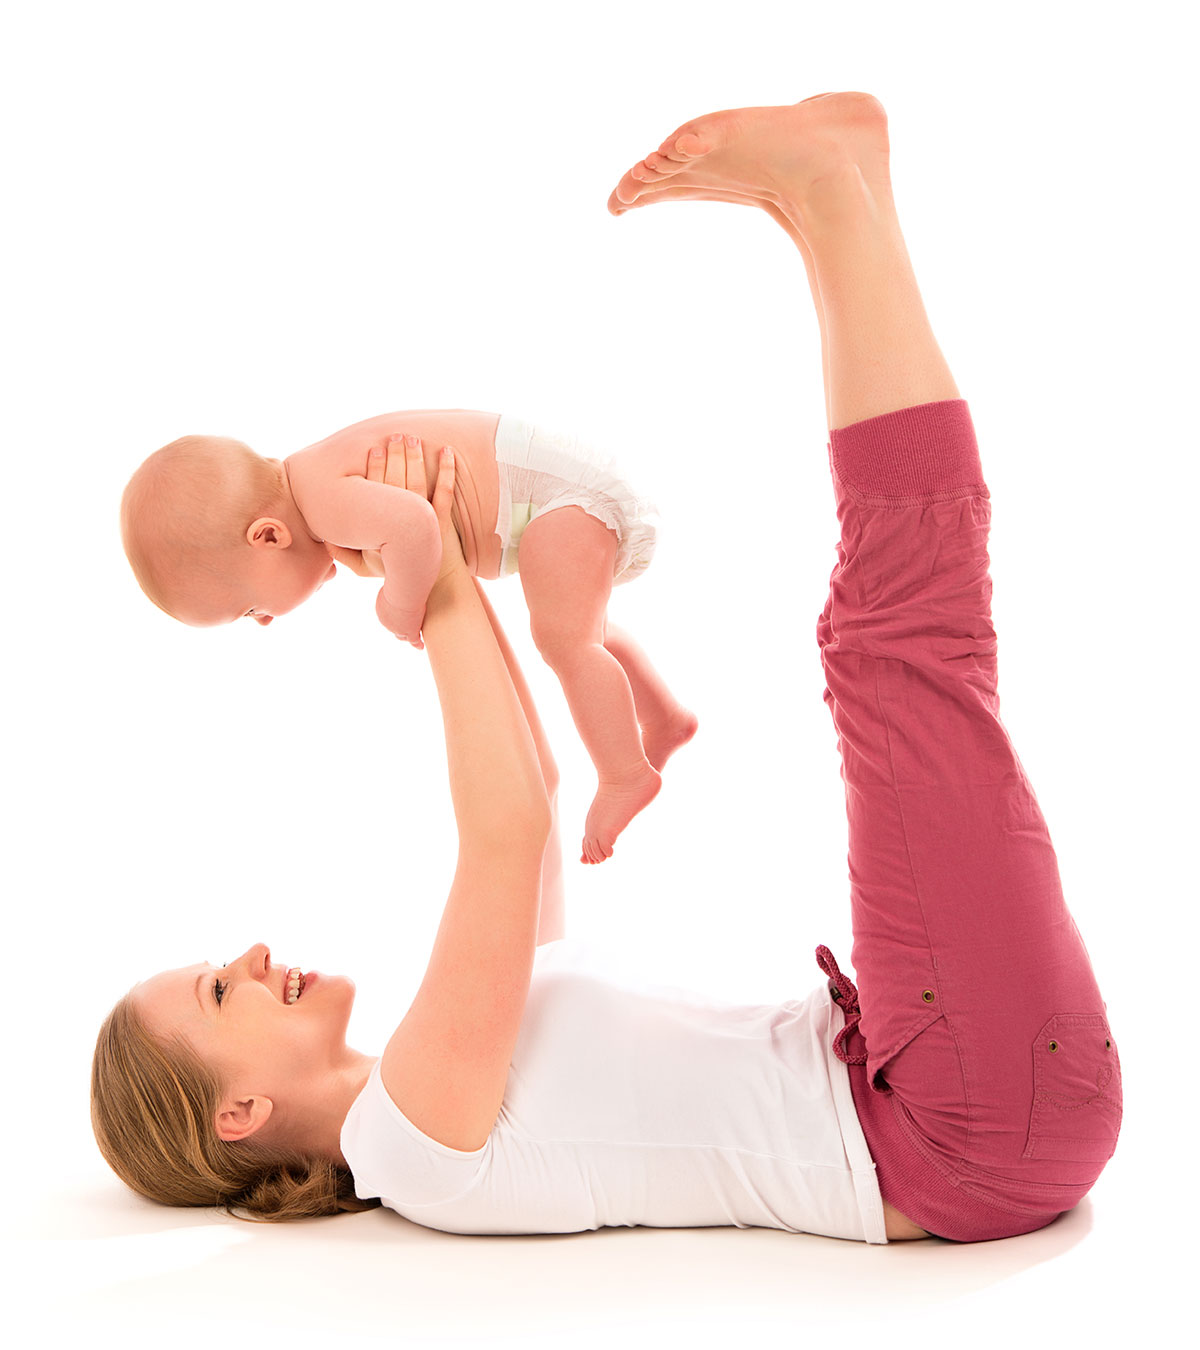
{"type": "Point", "coordinates": [924, 452]}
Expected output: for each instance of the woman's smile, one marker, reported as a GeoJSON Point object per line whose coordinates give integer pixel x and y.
{"type": "Point", "coordinates": [294, 985]}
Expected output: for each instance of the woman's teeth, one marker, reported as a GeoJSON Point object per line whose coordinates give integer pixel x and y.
{"type": "Point", "coordinates": [295, 985]}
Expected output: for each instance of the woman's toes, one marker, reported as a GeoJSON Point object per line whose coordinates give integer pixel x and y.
{"type": "Point", "coordinates": [691, 146]}
{"type": "Point", "coordinates": [629, 189]}
{"type": "Point", "coordinates": [657, 166]}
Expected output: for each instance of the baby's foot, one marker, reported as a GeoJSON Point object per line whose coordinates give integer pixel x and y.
{"type": "Point", "coordinates": [662, 739]}
{"type": "Point", "coordinates": [614, 806]}
{"type": "Point", "coordinates": [776, 155]}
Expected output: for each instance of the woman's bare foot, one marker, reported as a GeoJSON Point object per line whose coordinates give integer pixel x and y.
{"type": "Point", "coordinates": [613, 807]}
{"type": "Point", "coordinates": [661, 739]}
{"type": "Point", "coordinates": [770, 157]}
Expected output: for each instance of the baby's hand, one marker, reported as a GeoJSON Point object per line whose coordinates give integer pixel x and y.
{"type": "Point", "coordinates": [404, 624]}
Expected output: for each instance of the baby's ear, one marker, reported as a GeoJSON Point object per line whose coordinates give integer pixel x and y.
{"type": "Point", "coordinates": [268, 532]}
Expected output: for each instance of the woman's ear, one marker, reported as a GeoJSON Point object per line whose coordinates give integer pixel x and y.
{"type": "Point", "coordinates": [268, 532]}
{"type": "Point", "coordinates": [240, 1119]}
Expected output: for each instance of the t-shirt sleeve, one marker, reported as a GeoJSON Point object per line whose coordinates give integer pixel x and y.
{"type": "Point", "coordinates": [393, 1160]}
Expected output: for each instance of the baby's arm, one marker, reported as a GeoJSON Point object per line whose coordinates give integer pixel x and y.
{"type": "Point", "coordinates": [356, 513]}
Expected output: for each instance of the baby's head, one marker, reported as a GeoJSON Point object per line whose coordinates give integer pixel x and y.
{"type": "Point", "coordinates": [213, 534]}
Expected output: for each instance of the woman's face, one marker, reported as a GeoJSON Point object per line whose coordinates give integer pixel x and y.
{"type": "Point", "coordinates": [237, 1018]}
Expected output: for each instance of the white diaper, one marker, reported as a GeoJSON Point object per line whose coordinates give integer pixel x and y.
{"type": "Point", "coordinates": [541, 470]}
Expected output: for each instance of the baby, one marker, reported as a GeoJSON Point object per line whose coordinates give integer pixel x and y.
{"type": "Point", "coordinates": [215, 532]}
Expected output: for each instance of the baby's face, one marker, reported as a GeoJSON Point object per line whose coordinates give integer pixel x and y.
{"type": "Point", "coordinates": [284, 582]}
{"type": "Point", "coordinates": [258, 583]}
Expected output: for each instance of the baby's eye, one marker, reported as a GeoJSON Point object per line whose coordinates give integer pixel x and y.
{"type": "Point", "coordinates": [249, 614]}
{"type": "Point", "coordinates": [219, 991]}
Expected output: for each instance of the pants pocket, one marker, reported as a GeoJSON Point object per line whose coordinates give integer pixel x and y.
{"type": "Point", "coordinates": [1076, 1112]}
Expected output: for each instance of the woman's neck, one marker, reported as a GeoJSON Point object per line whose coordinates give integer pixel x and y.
{"type": "Point", "coordinates": [319, 1132]}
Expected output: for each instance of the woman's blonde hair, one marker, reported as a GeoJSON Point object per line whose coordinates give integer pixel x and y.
{"type": "Point", "coordinates": [154, 1104]}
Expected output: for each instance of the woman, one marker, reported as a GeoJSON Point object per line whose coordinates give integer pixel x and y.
{"type": "Point", "coordinates": [972, 1091]}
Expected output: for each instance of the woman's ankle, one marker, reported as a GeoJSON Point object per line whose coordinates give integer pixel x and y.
{"type": "Point", "coordinates": [845, 195]}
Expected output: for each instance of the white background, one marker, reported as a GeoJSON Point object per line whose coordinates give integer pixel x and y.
{"type": "Point", "coordinates": [269, 221]}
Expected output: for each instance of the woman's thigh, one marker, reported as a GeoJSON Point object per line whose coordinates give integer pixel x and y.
{"type": "Point", "coordinates": [979, 1007]}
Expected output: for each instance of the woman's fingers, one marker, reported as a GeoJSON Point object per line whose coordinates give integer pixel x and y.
{"type": "Point", "coordinates": [401, 463]}
{"type": "Point", "coordinates": [388, 462]}
{"type": "Point", "coordinates": [442, 501]}
{"type": "Point", "coordinates": [414, 461]}
{"type": "Point", "coordinates": [443, 492]}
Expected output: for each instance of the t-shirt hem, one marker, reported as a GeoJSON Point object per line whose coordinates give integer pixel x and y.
{"type": "Point", "coordinates": [862, 1165]}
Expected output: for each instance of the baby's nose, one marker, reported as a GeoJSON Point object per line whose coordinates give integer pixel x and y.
{"type": "Point", "coordinates": [264, 619]}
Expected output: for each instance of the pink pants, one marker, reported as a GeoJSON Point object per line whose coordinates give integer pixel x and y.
{"type": "Point", "coordinates": [983, 1068]}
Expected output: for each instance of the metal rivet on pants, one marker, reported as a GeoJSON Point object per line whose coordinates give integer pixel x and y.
{"type": "Point", "coordinates": [1053, 1047]}
{"type": "Point", "coordinates": [928, 995]}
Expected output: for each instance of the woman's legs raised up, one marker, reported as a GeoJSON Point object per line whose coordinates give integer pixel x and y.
{"type": "Point", "coordinates": [983, 1119]}
{"type": "Point", "coordinates": [821, 169]}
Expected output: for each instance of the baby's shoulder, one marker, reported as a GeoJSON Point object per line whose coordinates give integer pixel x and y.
{"type": "Point", "coordinates": [344, 451]}
{"type": "Point", "coordinates": [334, 457]}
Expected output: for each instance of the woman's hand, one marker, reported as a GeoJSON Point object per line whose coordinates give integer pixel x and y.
{"type": "Point", "coordinates": [407, 450]}
{"type": "Point", "coordinates": [402, 465]}
{"type": "Point", "coordinates": [400, 462]}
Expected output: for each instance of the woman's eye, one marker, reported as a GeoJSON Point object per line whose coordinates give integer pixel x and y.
{"type": "Point", "coordinates": [219, 991]}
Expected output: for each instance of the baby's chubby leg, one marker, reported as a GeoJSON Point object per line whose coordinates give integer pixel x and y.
{"type": "Point", "coordinates": [565, 563]}
{"type": "Point", "coordinates": [666, 724]}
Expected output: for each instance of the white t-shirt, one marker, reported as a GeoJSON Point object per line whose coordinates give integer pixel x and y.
{"type": "Point", "coordinates": [633, 1105]}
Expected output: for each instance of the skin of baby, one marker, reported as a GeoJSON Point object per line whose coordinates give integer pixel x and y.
{"type": "Point", "coordinates": [280, 566]}
{"type": "Point", "coordinates": [344, 508]}
{"type": "Point", "coordinates": [327, 506]}
{"type": "Point", "coordinates": [282, 558]}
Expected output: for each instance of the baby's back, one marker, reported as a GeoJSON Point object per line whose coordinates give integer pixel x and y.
{"type": "Point", "coordinates": [476, 487]}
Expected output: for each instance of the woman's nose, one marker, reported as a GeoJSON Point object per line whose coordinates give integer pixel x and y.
{"type": "Point", "coordinates": [257, 960]}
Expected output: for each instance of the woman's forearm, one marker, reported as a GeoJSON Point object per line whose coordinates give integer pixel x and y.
{"type": "Point", "coordinates": [496, 784]}
{"type": "Point", "coordinates": [552, 919]}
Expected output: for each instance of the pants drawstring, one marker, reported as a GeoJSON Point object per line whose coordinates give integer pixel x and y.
{"type": "Point", "coordinates": [846, 992]}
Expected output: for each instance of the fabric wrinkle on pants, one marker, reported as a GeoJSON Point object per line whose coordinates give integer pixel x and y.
{"type": "Point", "coordinates": [984, 1071]}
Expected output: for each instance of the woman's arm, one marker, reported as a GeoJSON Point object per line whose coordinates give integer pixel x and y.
{"type": "Point", "coordinates": [552, 909]}
{"type": "Point", "coordinates": [447, 1064]}
{"type": "Point", "coordinates": [552, 912]}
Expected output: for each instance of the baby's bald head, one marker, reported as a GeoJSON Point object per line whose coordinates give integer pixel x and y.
{"type": "Point", "coordinates": [185, 512]}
